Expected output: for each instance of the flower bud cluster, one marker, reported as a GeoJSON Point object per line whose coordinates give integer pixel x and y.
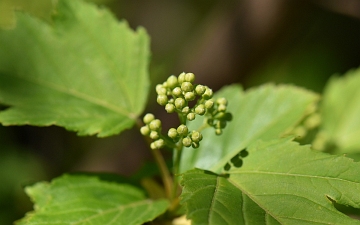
{"type": "Point", "coordinates": [217, 117]}
{"type": "Point", "coordinates": [176, 93]}
{"type": "Point", "coordinates": [192, 138]}
{"type": "Point", "coordinates": [152, 129]}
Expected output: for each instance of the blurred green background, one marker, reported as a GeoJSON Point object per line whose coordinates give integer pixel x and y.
{"type": "Point", "coordinates": [247, 41]}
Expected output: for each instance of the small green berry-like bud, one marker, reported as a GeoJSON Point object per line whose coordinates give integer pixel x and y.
{"type": "Point", "coordinates": [155, 125]}
{"type": "Point", "coordinates": [180, 103]}
{"type": "Point", "coordinates": [154, 135]}
{"type": "Point", "coordinates": [186, 141]}
{"type": "Point", "coordinates": [189, 96]}
{"type": "Point", "coordinates": [160, 89]}
{"type": "Point", "coordinates": [162, 99]}
{"type": "Point", "coordinates": [208, 93]}
{"type": "Point", "coordinates": [177, 92]}
{"type": "Point", "coordinates": [221, 101]}
{"type": "Point", "coordinates": [182, 130]}
{"type": "Point", "coordinates": [218, 131]}
{"type": "Point", "coordinates": [200, 109]}
{"type": "Point", "coordinates": [196, 136]}
{"type": "Point", "coordinates": [185, 110]}
{"type": "Point", "coordinates": [187, 86]}
{"type": "Point", "coordinates": [170, 108]}
{"type": "Point", "coordinates": [157, 144]}
{"type": "Point", "coordinates": [190, 77]}
{"type": "Point", "coordinates": [209, 104]}
{"type": "Point", "coordinates": [148, 118]}
{"type": "Point", "coordinates": [221, 108]}
{"type": "Point", "coordinates": [200, 89]}
{"type": "Point", "coordinates": [172, 133]}
{"type": "Point", "coordinates": [190, 116]}
{"type": "Point", "coordinates": [221, 124]}
{"type": "Point", "coordinates": [181, 78]}
{"type": "Point", "coordinates": [145, 130]}
{"type": "Point", "coordinates": [172, 81]}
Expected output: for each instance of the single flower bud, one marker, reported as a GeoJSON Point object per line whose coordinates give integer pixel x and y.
{"type": "Point", "coordinates": [208, 93]}
{"type": "Point", "coordinates": [200, 109]}
{"type": "Point", "coordinates": [177, 92]}
{"type": "Point", "coordinates": [185, 110]}
{"type": "Point", "coordinates": [145, 130]}
{"type": "Point", "coordinates": [157, 144]}
{"type": "Point", "coordinates": [180, 103]}
{"type": "Point", "coordinates": [196, 136]}
{"type": "Point", "coordinates": [162, 99]}
{"type": "Point", "coordinates": [190, 77]}
{"type": "Point", "coordinates": [170, 108]}
{"type": "Point", "coordinates": [218, 131]}
{"type": "Point", "coordinates": [160, 89]}
{"type": "Point", "coordinates": [186, 141]}
{"type": "Point", "coordinates": [221, 108]}
{"type": "Point", "coordinates": [189, 96]}
{"type": "Point", "coordinates": [154, 135]}
{"type": "Point", "coordinates": [187, 86]}
{"type": "Point", "coordinates": [200, 89]}
{"type": "Point", "coordinates": [190, 116]}
{"type": "Point", "coordinates": [209, 104]}
{"type": "Point", "coordinates": [195, 145]}
{"type": "Point", "coordinates": [155, 125]}
{"type": "Point", "coordinates": [172, 81]}
{"type": "Point", "coordinates": [172, 133]}
{"type": "Point", "coordinates": [221, 101]}
{"type": "Point", "coordinates": [148, 118]}
{"type": "Point", "coordinates": [181, 78]}
{"type": "Point", "coordinates": [182, 130]}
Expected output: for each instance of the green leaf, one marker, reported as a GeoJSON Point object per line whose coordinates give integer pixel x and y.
{"type": "Point", "coordinates": [87, 200]}
{"type": "Point", "coordinates": [340, 112]}
{"type": "Point", "coordinates": [265, 113]}
{"type": "Point", "coordinates": [86, 72]}
{"type": "Point", "coordinates": [280, 182]}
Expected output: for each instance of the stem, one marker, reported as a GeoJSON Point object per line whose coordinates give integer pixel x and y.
{"type": "Point", "coordinates": [164, 171]}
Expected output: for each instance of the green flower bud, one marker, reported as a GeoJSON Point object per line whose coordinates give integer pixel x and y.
{"type": "Point", "coordinates": [177, 92]}
{"type": "Point", "coordinates": [157, 144]}
{"type": "Point", "coordinates": [172, 133]}
{"type": "Point", "coordinates": [196, 136]}
{"type": "Point", "coordinates": [172, 81]}
{"type": "Point", "coordinates": [190, 77]}
{"type": "Point", "coordinates": [170, 108]}
{"type": "Point", "coordinates": [218, 131]}
{"type": "Point", "coordinates": [154, 135]}
{"type": "Point", "coordinates": [187, 86]}
{"type": "Point", "coordinates": [221, 108]}
{"type": "Point", "coordinates": [165, 84]}
{"type": "Point", "coordinates": [190, 116]}
{"type": "Point", "coordinates": [162, 99]}
{"type": "Point", "coordinates": [195, 145]}
{"type": "Point", "coordinates": [189, 96]}
{"type": "Point", "coordinates": [155, 125]}
{"type": "Point", "coordinates": [145, 130]}
{"type": "Point", "coordinates": [180, 103]}
{"type": "Point", "coordinates": [221, 101]}
{"type": "Point", "coordinates": [171, 100]}
{"type": "Point", "coordinates": [209, 104]}
{"type": "Point", "coordinates": [208, 93]}
{"type": "Point", "coordinates": [182, 130]}
{"type": "Point", "coordinates": [148, 118]}
{"type": "Point", "coordinates": [186, 141]}
{"type": "Point", "coordinates": [200, 109]}
{"type": "Point", "coordinates": [160, 89]}
{"type": "Point", "coordinates": [185, 110]}
{"type": "Point", "coordinates": [200, 89]}
{"type": "Point", "coordinates": [181, 78]}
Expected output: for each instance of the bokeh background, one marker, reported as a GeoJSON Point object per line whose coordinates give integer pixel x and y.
{"type": "Point", "coordinates": [250, 42]}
